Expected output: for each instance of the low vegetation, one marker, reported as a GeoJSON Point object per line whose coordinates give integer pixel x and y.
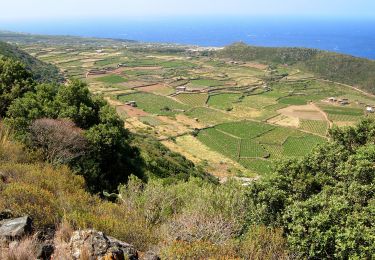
{"type": "Point", "coordinates": [41, 71]}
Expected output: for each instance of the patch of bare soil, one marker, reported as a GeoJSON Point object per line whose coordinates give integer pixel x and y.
{"type": "Point", "coordinates": [144, 68]}
{"type": "Point", "coordinates": [344, 123]}
{"type": "Point", "coordinates": [283, 120]}
{"type": "Point", "coordinates": [309, 112]}
{"type": "Point", "coordinates": [171, 127]}
{"type": "Point", "coordinates": [189, 122]}
{"type": "Point", "coordinates": [154, 88]}
{"type": "Point", "coordinates": [131, 111]}
{"type": "Point", "coordinates": [256, 65]}
{"type": "Point", "coordinates": [136, 84]}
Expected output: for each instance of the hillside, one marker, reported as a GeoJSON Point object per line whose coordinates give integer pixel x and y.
{"type": "Point", "coordinates": [42, 72]}
{"type": "Point", "coordinates": [341, 68]}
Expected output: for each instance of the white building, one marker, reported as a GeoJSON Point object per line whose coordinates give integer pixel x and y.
{"type": "Point", "coordinates": [370, 109]}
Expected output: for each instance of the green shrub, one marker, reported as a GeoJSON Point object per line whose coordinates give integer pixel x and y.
{"type": "Point", "coordinates": [325, 201]}
{"type": "Point", "coordinates": [28, 199]}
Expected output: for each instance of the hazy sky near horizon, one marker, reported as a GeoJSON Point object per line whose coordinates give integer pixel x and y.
{"type": "Point", "coordinates": [20, 10]}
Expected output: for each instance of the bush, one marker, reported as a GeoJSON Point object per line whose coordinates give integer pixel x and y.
{"type": "Point", "coordinates": [60, 141]}
{"type": "Point", "coordinates": [325, 201]}
{"type": "Point", "coordinates": [27, 199]}
{"type": "Point", "coordinates": [51, 194]}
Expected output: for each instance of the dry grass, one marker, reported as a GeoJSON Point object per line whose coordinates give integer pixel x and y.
{"type": "Point", "coordinates": [64, 232]}
{"type": "Point", "coordinates": [10, 151]}
{"type": "Point", "coordinates": [85, 254]}
{"type": "Point", "coordinates": [61, 241]}
{"type": "Point", "coordinates": [23, 250]}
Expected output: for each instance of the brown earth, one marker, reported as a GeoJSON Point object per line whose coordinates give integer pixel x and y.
{"type": "Point", "coordinates": [309, 112]}
{"type": "Point", "coordinates": [255, 65]}
{"type": "Point", "coordinates": [154, 88]}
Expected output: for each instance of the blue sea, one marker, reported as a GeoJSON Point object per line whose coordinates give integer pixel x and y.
{"type": "Point", "coordinates": [350, 36]}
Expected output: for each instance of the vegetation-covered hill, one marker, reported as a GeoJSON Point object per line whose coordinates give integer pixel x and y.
{"type": "Point", "coordinates": [24, 38]}
{"type": "Point", "coordinates": [41, 71]}
{"type": "Point", "coordinates": [332, 66]}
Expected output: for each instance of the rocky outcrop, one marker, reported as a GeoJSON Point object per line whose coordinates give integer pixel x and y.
{"type": "Point", "coordinates": [83, 244]}
{"type": "Point", "coordinates": [96, 245]}
{"type": "Point", "coordinates": [12, 229]}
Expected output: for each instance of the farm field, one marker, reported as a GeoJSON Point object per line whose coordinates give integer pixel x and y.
{"type": "Point", "coordinates": [252, 141]}
{"type": "Point", "coordinates": [194, 100]}
{"type": "Point", "coordinates": [246, 115]}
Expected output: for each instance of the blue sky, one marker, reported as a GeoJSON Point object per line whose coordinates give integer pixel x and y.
{"type": "Point", "coordinates": [19, 10]}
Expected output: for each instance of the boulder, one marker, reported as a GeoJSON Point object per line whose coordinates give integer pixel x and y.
{"type": "Point", "coordinates": [150, 255]}
{"type": "Point", "coordinates": [98, 246]}
{"type": "Point", "coordinates": [12, 229]}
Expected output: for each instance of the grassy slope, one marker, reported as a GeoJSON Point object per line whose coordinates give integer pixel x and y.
{"type": "Point", "coordinates": [42, 71]}
{"type": "Point", "coordinates": [332, 66]}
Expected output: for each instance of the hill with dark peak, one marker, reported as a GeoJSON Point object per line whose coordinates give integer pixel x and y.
{"type": "Point", "coordinates": [42, 72]}
{"type": "Point", "coordinates": [25, 38]}
{"type": "Point", "coordinates": [336, 67]}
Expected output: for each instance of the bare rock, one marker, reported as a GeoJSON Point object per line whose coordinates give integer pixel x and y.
{"type": "Point", "coordinates": [98, 246]}
{"type": "Point", "coordinates": [12, 229]}
{"type": "Point", "coordinates": [150, 255]}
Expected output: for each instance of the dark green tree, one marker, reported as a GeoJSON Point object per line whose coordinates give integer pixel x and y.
{"type": "Point", "coordinates": [15, 80]}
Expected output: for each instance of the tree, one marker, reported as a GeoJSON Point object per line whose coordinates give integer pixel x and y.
{"type": "Point", "coordinates": [33, 105]}
{"type": "Point", "coordinates": [75, 102]}
{"type": "Point", "coordinates": [114, 159]}
{"type": "Point", "coordinates": [15, 80]}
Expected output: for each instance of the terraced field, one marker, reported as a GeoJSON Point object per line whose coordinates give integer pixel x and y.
{"type": "Point", "coordinates": [314, 126]}
{"type": "Point", "coordinates": [155, 104]}
{"type": "Point", "coordinates": [343, 114]}
{"type": "Point", "coordinates": [223, 101]}
{"type": "Point", "coordinates": [111, 79]}
{"type": "Point", "coordinates": [245, 141]}
{"type": "Point", "coordinates": [193, 100]}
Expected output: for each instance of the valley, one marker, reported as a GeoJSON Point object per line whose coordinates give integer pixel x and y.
{"type": "Point", "coordinates": [233, 118]}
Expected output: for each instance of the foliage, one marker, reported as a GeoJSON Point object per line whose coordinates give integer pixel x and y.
{"type": "Point", "coordinates": [108, 152]}
{"type": "Point", "coordinates": [324, 202]}
{"type": "Point", "coordinates": [160, 162]}
{"type": "Point", "coordinates": [60, 141]}
{"type": "Point", "coordinates": [41, 71]}
{"type": "Point", "coordinates": [15, 80]}
{"type": "Point", "coordinates": [51, 194]}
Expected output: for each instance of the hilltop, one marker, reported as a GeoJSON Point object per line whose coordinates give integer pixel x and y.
{"type": "Point", "coordinates": [358, 72]}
